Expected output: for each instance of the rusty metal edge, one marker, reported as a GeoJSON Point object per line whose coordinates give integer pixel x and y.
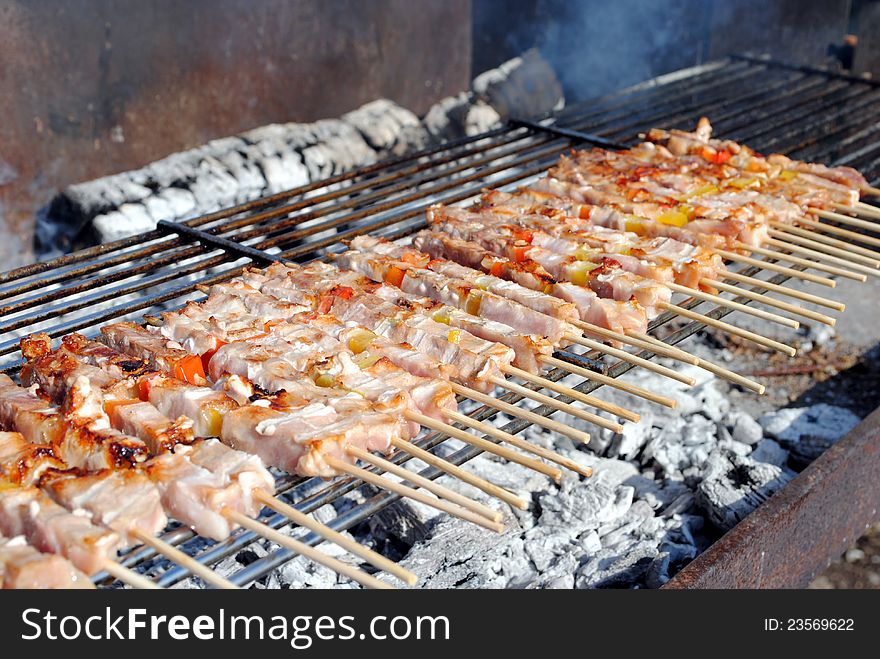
{"type": "Point", "coordinates": [798, 531]}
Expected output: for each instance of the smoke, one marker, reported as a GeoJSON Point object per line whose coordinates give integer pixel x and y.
{"type": "Point", "coordinates": [597, 46]}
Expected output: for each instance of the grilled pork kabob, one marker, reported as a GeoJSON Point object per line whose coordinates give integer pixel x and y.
{"type": "Point", "coordinates": [306, 438]}
{"type": "Point", "coordinates": [715, 204]}
{"type": "Point", "coordinates": [605, 260]}
{"type": "Point", "coordinates": [204, 483]}
{"type": "Point", "coordinates": [425, 324]}
{"type": "Point", "coordinates": [23, 567]}
{"type": "Point", "coordinates": [335, 355]}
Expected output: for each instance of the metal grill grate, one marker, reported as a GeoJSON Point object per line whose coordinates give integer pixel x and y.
{"type": "Point", "coordinates": [805, 113]}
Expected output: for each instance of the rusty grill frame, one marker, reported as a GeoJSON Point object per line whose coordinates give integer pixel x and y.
{"type": "Point", "coordinates": [741, 94]}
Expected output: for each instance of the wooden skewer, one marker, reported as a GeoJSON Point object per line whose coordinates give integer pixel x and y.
{"type": "Point", "coordinates": [560, 388]}
{"type": "Point", "coordinates": [415, 495]}
{"type": "Point", "coordinates": [664, 349]}
{"type": "Point", "coordinates": [466, 477]}
{"type": "Point", "coordinates": [863, 270]}
{"type": "Point", "coordinates": [183, 559]}
{"type": "Point", "coordinates": [127, 576]}
{"type": "Point", "coordinates": [486, 445]}
{"type": "Point", "coordinates": [867, 209]}
{"type": "Point", "coordinates": [822, 267]}
{"type": "Point", "coordinates": [633, 359]}
{"type": "Point", "coordinates": [861, 208]}
{"type": "Point", "coordinates": [868, 189]}
{"type": "Point", "coordinates": [531, 417]}
{"type": "Point", "coordinates": [775, 267]}
{"type": "Point", "coordinates": [611, 382]}
{"type": "Point", "coordinates": [819, 242]}
{"type": "Point", "coordinates": [632, 338]}
{"type": "Point", "coordinates": [722, 372]}
{"type": "Point", "coordinates": [435, 488]}
{"type": "Point", "coordinates": [520, 443]}
{"type": "Point", "coordinates": [732, 329]}
{"type": "Point", "coordinates": [552, 402]}
{"type": "Point", "coordinates": [790, 292]}
{"type": "Point", "coordinates": [840, 231]}
{"type": "Point", "coordinates": [845, 219]}
{"type": "Point", "coordinates": [349, 544]}
{"type": "Point", "coordinates": [773, 302]}
{"type": "Point", "coordinates": [305, 550]}
{"type": "Point", "coordinates": [731, 304]}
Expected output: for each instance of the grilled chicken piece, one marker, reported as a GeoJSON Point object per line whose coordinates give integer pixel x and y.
{"type": "Point", "coordinates": [298, 439]}
{"type": "Point", "coordinates": [116, 363]}
{"type": "Point", "coordinates": [90, 441]}
{"type": "Point", "coordinates": [243, 469]}
{"type": "Point", "coordinates": [609, 314]}
{"type": "Point", "coordinates": [195, 495]}
{"type": "Point", "coordinates": [24, 463]}
{"type": "Point", "coordinates": [175, 398]}
{"type": "Point", "coordinates": [155, 350]}
{"type": "Point", "coordinates": [122, 500]}
{"type": "Point", "coordinates": [24, 411]}
{"type": "Point", "coordinates": [23, 567]}
{"type": "Point", "coordinates": [49, 528]}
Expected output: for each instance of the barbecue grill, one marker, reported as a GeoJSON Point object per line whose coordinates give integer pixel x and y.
{"type": "Point", "coordinates": [806, 113]}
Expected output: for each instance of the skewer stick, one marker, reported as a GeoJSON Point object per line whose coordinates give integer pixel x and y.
{"type": "Point", "coordinates": [632, 338]}
{"type": "Point", "coordinates": [549, 401]}
{"type": "Point", "coordinates": [775, 267]}
{"type": "Point", "coordinates": [546, 400]}
{"type": "Point", "coordinates": [727, 374]}
{"type": "Point", "coordinates": [415, 495]}
{"type": "Point", "coordinates": [845, 219]}
{"type": "Point", "coordinates": [531, 417]}
{"type": "Point", "coordinates": [853, 267]}
{"type": "Point", "coordinates": [840, 231]}
{"type": "Point", "coordinates": [611, 382]}
{"type": "Point", "coordinates": [435, 488]}
{"type": "Point", "coordinates": [773, 302]}
{"type": "Point", "coordinates": [520, 443]}
{"type": "Point", "coordinates": [732, 329]}
{"type": "Point", "coordinates": [790, 292]}
{"type": "Point", "coordinates": [868, 189]}
{"type": "Point", "coordinates": [731, 304]}
{"type": "Point", "coordinates": [349, 544]}
{"type": "Point", "coordinates": [486, 445]}
{"type": "Point", "coordinates": [127, 576]}
{"type": "Point", "coordinates": [633, 359]}
{"type": "Point", "coordinates": [560, 388]}
{"type": "Point", "coordinates": [822, 267]}
{"type": "Point", "coordinates": [183, 559]}
{"type": "Point", "coordinates": [305, 550]}
{"type": "Point", "coordinates": [861, 208]}
{"type": "Point", "coordinates": [867, 209]}
{"type": "Point", "coordinates": [665, 349]}
{"type": "Point", "coordinates": [826, 244]}
{"type": "Point", "coordinates": [466, 477]}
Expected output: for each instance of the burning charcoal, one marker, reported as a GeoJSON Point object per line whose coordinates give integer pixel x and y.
{"type": "Point", "coordinates": [387, 127]}
{"type": "Point", "coordinates": [734, 486]}
{"type": "Point", "coordinates": [745, 429]}
{"type": "Point", "coordinates": [770, 452]}
{"type": "Point", "coordinates": [822, 421]}
{"type": "Point", "coordinates": [619, 566]}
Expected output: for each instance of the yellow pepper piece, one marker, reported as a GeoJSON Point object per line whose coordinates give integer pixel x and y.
{"type": "Point", "coordinates": [548, 289]}
{"type": "Point", "coordinates": [585, 254]}
{"type": "Point", "coordinates": [579, 272]}
{"type": "Point", "coordinates": [442, 316]}
{"type": "Point", "coordinates": [472, 304]}
{"type": "Point", "coordinates": [704, 190]}
{"type": "Point", "coordinates": [676, 218]}
{"type": "Point", "coordinates": [365, 360]}
{"type": "Point", "coordinates": [214, 420]}
{"type": "Point", "coordinates": [743, 183]}
{"type": "Point", "coordinates": [788, 175]}
{"type": "Point", "coordinates": [325, 380]}
{"type": "Point", "coordinates": [634, 225]}
{"type": "Point", "coordinates": [360, 340]}
{"type": "Point", "coordinates": [454, 336]}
